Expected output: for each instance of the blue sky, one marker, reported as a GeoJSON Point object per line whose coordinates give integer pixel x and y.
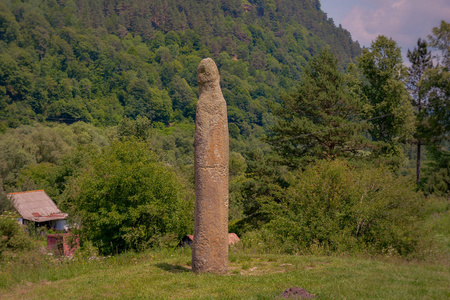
{"type": "Point", "coordinates": [403, 20]}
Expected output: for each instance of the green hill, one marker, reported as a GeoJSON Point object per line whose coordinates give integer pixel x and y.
{"type": "Point", "coordinates": [100, 61]}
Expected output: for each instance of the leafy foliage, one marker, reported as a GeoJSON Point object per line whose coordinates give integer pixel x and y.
{"type": "Point", "coordinates": [420, 59]}
{"type": "Point", "coordinates": [128, 200]}
{"type": "Point", "coordinates": [339, 207]}
{"type": "Point", "coordinates": [437, 173]}
{"type": "Point", "coordinates": [323, 118]}
{"type": "Point", "coordinates": [391, 115]}
{"type": "Point", "coordinates": [34, 156]}
{"type": "Point", "coordinates": [6, 204]}
{"type": "Point", "coordinates": [99, 61]}
{"type": "Point", "coordinates": [121, 78]}
{"type": "Point", "coordinates": [436, 115]}
{"type": "Point", "coordinates": [13, 237]}
{"type": "Point", "coordinates": [440, 39]}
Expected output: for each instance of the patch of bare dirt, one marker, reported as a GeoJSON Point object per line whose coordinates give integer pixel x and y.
{"type": "Point", "coordinates": [296, 293]}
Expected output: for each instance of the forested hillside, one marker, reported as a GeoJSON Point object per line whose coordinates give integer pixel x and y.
{"type": "Point", "coordinates": [99, 61]}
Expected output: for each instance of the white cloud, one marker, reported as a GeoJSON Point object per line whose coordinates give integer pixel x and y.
{"type": "Point", "coordinates": [403, 20]}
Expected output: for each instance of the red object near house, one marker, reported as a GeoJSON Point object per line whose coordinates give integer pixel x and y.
{"type": "Point", "coordinates": [233, 238]}
{"type": "Point", "coordinates": [189, 239]}
{"type": "Point", "coordinates": [63, 243]}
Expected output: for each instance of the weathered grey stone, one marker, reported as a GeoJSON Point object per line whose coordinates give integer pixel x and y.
{"type": "Point", "coordinates": [210, 246]}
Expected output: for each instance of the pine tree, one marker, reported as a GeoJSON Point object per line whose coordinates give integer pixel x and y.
{"type": "Point", "coordinates": [436, 85]}
{"type": "Point", "coordinates": [323, 117]}
{"type": "Point", "coordinates": [420, 59]}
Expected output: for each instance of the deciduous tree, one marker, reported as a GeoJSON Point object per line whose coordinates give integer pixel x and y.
{"type": "Point", "coordinates": [391, 115]}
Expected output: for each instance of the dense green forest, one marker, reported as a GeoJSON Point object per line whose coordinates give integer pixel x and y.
{"type": "Point", "coordinates": [101, 61]}
{"type": "Point", "coordinates": [97, 107]}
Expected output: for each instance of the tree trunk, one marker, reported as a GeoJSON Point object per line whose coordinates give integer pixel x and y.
{"type": "Point", "coordinates": [418, 162]}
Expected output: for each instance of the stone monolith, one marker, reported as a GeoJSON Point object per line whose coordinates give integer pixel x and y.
{"type": "Point", "coordinates": [210, 245]}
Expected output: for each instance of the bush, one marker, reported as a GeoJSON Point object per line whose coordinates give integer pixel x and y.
{"type": "Point", "coordinates": [436, 175]}
{"type": "Point", "coordinates": [336, 207]}
{"type": "Point", "coordinates": [128, 200]}
{"type": "Point", "coordinates": [6, 204]}
{"type": "Point", "coordinates": [12, 236]}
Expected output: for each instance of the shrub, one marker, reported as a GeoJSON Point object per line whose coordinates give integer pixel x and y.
{"type": "Point", "coordinates": [6, 204]}
{"type": "Point", "coordinates": [128, 200]}
{"type": "Point", "coordinates": [12, 236]}
{"type": "Point", "coordinates": [336, 207]}
{"type": "Point", "coordinates": [436, 175]}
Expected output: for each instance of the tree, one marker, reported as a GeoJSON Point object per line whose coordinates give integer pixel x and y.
{"type": "Point", "coordinates": [9, 28]}
{"type": "Point", "coordinates": [440, 39]}
{"type": "Point", "coordinates": [181, 93]}
{"type": "Point", "coordinates": [6, 204]}
{"type": "Point", "coordinates": [323, 117]}
{"type": "Point", "coordinates": [345, 208]}
{"type": "Point", "coordinates": [436, 85]}
{"type": "Point", "coordinates": [256, 192]}
{"type": "Point", "coordinates": [127, 199]}
{"type": "Point", "coordinates": [420, 59]}
{"type": "Point", "coordinates": [141, 128]}
{"type": "Point", "coordinates": [391, 115]}
{"type": "Point", "coordinates": [437, 173]}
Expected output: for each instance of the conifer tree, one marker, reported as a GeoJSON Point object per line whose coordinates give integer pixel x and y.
{"type": "Point", "coordinates": [420, 59]}
{"type": "Point", "coordinates": [436, 85]}
{"type": "Point", "coordinates": [323, 117]}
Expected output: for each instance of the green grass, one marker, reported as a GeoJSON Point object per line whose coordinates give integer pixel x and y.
{"type": "Point", "coordinates": [164, 275]}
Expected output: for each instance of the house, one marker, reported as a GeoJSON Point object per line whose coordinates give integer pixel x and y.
{"type": "Point", "coordinates": [187, 240]}
{"type": "Point", "coordinates": [37, 207]}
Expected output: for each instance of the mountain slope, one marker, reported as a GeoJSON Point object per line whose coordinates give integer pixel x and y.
{"type": "Point", "coordinates": [99, 61]}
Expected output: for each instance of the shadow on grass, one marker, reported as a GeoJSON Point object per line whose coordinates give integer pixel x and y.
{"type": "Point", "coordinates": [172, 268]}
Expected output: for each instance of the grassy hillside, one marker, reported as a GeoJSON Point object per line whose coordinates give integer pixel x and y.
{"type": "Point", "coordinates": [164, 275]}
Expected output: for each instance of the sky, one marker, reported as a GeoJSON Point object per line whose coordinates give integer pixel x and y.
{"type": "Point", "coordinates": [405, 21]}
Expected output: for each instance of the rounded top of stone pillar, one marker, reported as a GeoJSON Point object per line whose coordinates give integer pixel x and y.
{"type": "Point", "coordinates": [207, 71]}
